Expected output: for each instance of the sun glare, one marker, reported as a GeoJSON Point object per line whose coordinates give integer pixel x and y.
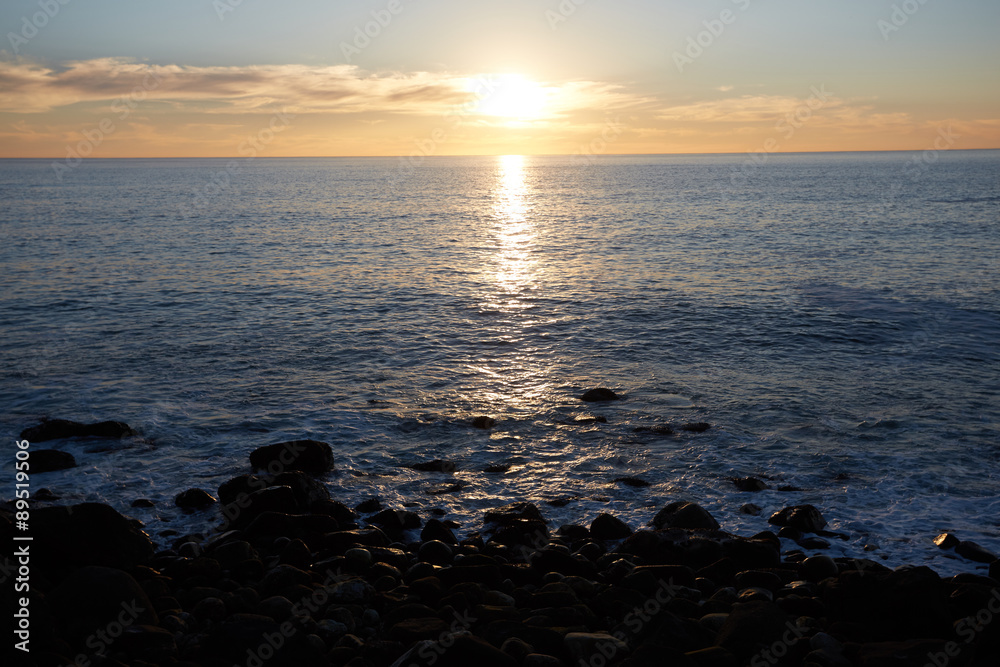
{"type": "Point", "coordinates": [511, 96]}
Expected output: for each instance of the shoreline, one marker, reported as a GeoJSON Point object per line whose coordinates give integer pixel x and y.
{"type": "Point", "coordinates": [293, 575]}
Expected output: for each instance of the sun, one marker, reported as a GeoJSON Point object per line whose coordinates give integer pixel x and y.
{"type": "Point", "coordinates": [510, 96]}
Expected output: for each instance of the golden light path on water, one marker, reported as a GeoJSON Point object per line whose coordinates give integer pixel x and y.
{"type": "Point", "coordinates": [517, 377]}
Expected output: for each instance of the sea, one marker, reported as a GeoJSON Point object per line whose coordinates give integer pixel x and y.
{"type": "Point", "coordinates": [834, 317]}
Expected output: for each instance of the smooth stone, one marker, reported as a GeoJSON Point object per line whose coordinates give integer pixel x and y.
{"type": "Point", "coordinates": [143, 503]}
{"type": "Point", "coordinates": [541, 660]}
{"type": "Point", "coordinates": [194, 499]}
{"type": "Point", "coordinates": [947, 540]}
{"type": "Point", "coordinates": [358, 559]}
{"type": "Point", "coordinates": [517, 649]}
{"type": "Point", "coordinates": [50, 460]}
{"type": "Point", "coordinates": [634, 482]}
{"type": "Point", "coordinates": [608, 527]}
{"type": "Point", "coordinates": [435, 552]}
{"type": "Point", "coordinates": [435, 529]}
{"type": "Point", "coordinates": [437, 465]}
{"type": "Point", "coordinates": [806, 518]}
{"type": "Point", "coordinates": [309, 456]}
{"type": "Point", "coordinates": [974, 552]}
{"type": "Point", "coordinates": [600, 394]}
{"type": "Point", "coordinates": [497, 468]}
{"type": "Point", "coordinates": [484, 422]}
{"type": "Point", "coordinates": [92, 598]}
{"type": "Point", "coordinates": [751, 484]}
{"type": "Point", "coordinates": [583, 646]}
{"type": "Point", "coordinates": [683, 514]}
{"type": "Point", "coordinates": [57, 429]}
{"type": "Point", "coordinates": [369, 506]}
{"type": "Point", "coordinates": [815, 543]}
{"type": "Point", "coordinates": [696, 427]}
{"type": "Point", "coordinates": [751, 509]}
{"type": "Point", "coordinates": [86, 534]}
{"type": "Point", "coordinates": [818, 568]}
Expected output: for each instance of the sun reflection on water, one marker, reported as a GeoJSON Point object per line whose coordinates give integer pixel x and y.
{"type": "Point", "coordinates": [514, 229]}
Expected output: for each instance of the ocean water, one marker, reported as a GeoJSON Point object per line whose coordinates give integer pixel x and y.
{"type": "Point", "coordinates": [835, 317]}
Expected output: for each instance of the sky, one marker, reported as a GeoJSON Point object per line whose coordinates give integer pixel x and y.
{"type": "Point", "coordinates": [148, 78]}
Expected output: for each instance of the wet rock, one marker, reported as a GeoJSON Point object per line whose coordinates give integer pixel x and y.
{"type": "Point", "coordinates": [92, 598]}
{"type": "Point", "coordinates": [804, 517]}
{"type": "Point", "coordinates": [435, 529]}
{"type": "Point", "coordinates": [541, 660]}
{"type": "Point", "coordinates": [237, 488]}
{"type": "Point", "coordinates": [946, 540]}
{"type": "Point", "coordinates": [309, 456]}
{"type": "Point", "coordinates": [86, 534]}
{"type": "Point", "coordinates": [44, 495]}
{"type": "Point", "coordinates": [683, 514]}
{"type": "Point", "coordinates": [788, 488]}
{"type": "Point", "coordinates": [369, 506]}
{"type": "Point", "coordinates": [455, 651]}
{"type": "Point", "coordinates": [634, 482]}
{"type": "Point", "coordinates": [658, 429]}
{"type": "Point", "coordinates": [445, 488]}
{"type": "Point", "coordinates": [49, 460]}
{"type": "Point", "coordinates": [56, 429]}
{"type": "Point", "coordinates": [751, 484]}
{"type": "Point", "coordinates": [813, 543]}
{"type": "Point", "coordinates": [598, 395]}
{"type": "Point", "coordinates": [484, 422]}
{"type": "Point", "coordinates": [714, 656]}
{"type": "Point", "coordinates": [497, 468]}
{"type": "Point", "coordinates": [513, 511]}
{"type": "Point", "coordinates": [751, 509]}
{"type": "Point", "coordinates": [143, 503]}
{"type": "Point", "coordinates": [995, 570]}
{"type": "Point", "coordinates": [195, 499]}
{"type": "Point", "coordinates": [396, 520]}
{"type": "Point", "coordinates": [754, 626]}
{"type": "Point", "coordinates": [696, 427]}
{"type": "Point", "coordinates": [437, 465]}
{"type": "Point", "coordinates": [590, 419]}
{"type": "Point", "coordinates": [818, 568]}
{"type": "Point", "coordinates": [435, 552]}
{"type": "Point", "coordinates": [607, 527]}
{"type": "Point", "coordinates": [974, 552]}
{"type": "Point", "coordinates": [307, 490]}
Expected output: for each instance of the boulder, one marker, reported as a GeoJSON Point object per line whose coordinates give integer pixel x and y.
{"type": "Point", "coordinates": [683, 514]}
{"type": "Point", "coordinates": [195, 499]}
{"type": "Point", "coordinates": [974, 552]}
{"type": "Point", "coordinates": [598, 395]}
{"type": "Point", "coordinates": [803, 517]}
{"type": "Point", "coordinates": [513, 511]}
{"type": "Point", "coordinates": [484, 422]}
{"type": "Point", "coordinates": [946, 540]}
{"type": "Point", "coordinates": [57, 429]}
{"type": "Point", "coordinates": [307, 490]}
{"type": "Point", "coordinates": [634, 482]}
{"type": "Point", "coordinates": [696, 427]}
{"type": "Point", "coordinates": [751, 484]}
{"type": "Point", "coordinates": [437, 465]}
{"type": "Point", "coordinates": [48, 460]}
{"type": "Point", "coordinates": [86, 534]}
{"type": "Point", "coordinates": [607, 527]}
{"type": "Point", "coordinates": [309, 456]}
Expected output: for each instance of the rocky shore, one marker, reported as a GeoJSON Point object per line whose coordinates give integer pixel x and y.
{"type": "Point", "coordinates": [293, 577]}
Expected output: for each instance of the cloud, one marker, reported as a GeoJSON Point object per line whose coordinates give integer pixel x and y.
{"type": "Point", "coordinates": [36, 88]}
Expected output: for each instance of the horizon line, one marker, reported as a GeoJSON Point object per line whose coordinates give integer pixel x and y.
{"type": "Point", "coordinates": [444, 155]}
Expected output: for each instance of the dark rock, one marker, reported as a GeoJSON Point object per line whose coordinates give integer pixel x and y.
{"type": "Point", "coordinates": [754, 626]}
{"type": "Point", "coordinates": [437, 465]}
{"type": "Point", "coordinates": [599, 394]}
{"type": "Point", "coordinates": [632, 481]}
{"type": "Point", "coordinates": [497, 468]}
{"type": "Point", "coordinates": [445, 488]}
{"type": "Point", "coordinates": [340, 512]}
{"type": "Point", "coordinates": [751, 509]}
{"type": "Point", "coordinates": [307, 490]}
{"type": "Point", "coordinates": [554, 560]}
{"type": "Point", "coordinates": [683, 514]}
{"type": "Point", "coordinates": [395, 520]}
{"type": "Point", "coordinates": [240, 487]}
{"type": "Point", "coordinates": [281, 577]}
{"type": "Point", "coordinates": [508, 513]}
{"type": "Point", "coordinates": [946, 540]}
{"type": "Point", "coordinates": [658, 429]}
{"type": "Point", "coordinates": [788, 488]}
{"type": "Point", "coordinates": [590, 419]}
{"type": "Point", "coordinates": [44, 495]}
{"type": "Point", "coordinates": [484, 422]}
{"type": "Point", "coordinates": [818, 568]}
{"type": "Point", "coordinates": [86, 534]}
{"type": "Point", "coordinates": [310, 456]}
{"type": "Point", "coordinates": [194, 499]}
{"type": "Point", "coordinates": [749, 484]}
{"type": "Point", "coordinates": [790, 533]}
{"type": "Point", "coordinates": [995, 570]}
{"type": "Point", "coordinates": [92, 598]}
{"type": "Point", "coordinates": [56, 429]}
{"type": "Point", "coordinates": [813, 543]}
{"type": "Point", "coordinates": [143, 502]}
{"type": "Point", "coordinates": [434, 529]}
{"type": "Point", "coordinates": [583, 646]}
{"type": "Point", "coordinates": [804, 517]}
{"type": "Point", "coordinates": [541, 660]}
{"type": "Point", "coordinates": [435, 552]}
{"type": "Point", "coordinates": [272, 499]}
{"type": "Point", "coordinates": [696, 427]}
{"type": "Point", "coordinates": [974, 552]}
{"type": "Point", "coordinates": [48, 460]}
{"type": "Point", "coordinates": [607, 527]}
{"type": "Point", "coordinates": [713, 656]}
{"type": "Point", "coordinates": [369, 506]}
